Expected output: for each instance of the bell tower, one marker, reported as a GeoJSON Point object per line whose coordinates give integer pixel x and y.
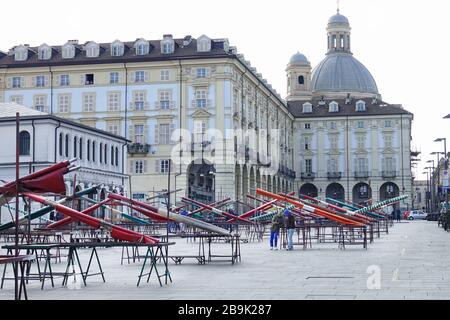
{"type": "Point", "coordinates": [299, 78]}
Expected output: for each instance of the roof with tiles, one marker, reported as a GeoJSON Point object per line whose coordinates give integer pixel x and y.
{"type": "Point", "coordinates": [346, 108]}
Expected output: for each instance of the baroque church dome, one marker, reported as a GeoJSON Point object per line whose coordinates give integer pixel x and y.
{"type": "Point", "coordinates": [340, 72]}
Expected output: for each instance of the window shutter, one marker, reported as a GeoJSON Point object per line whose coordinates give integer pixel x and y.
{"type": "Point", "coordinates": [131, 167]}
{"type": "Point", "coordinates": [46, 81]}
{"type": "Point", "coordinates": [132, 77]}
{"type": "Point", "coordinates": [82, 79]}
{"type": "Point", "coordinates": [157, 166]}
{"type": "Point", "coordinates": [34, 81]}
{"type": "Point", "coordinates": [172, 130]}
{"type": "Point", "coordinates": [144, 166]}
{"type": "Point", "coordinates": [208, 73]}
{"type": "Point", "coordinates": [9, 83]}
{"type": "Point", "coordinates": [131, 133]}
{"type": "Point", "coordinates": [22, 82]}
{"type": "Point", "coordinates": [157, 134]}
{"type": "Point", "coordinates": [57, 80]}
{"type": "Point", "coordinates": [146, 76]}
{"type": "Point", "coordinates": [146, 133]}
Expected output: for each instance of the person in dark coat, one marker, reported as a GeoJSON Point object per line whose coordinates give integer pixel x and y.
{"type": "Point", "coordinates": [290, 227]}
{"type": "Point", "coordinates": [399, 215]}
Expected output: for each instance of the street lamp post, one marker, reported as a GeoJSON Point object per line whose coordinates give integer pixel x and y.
{"type": "Point", "coordinates": [430, 186]}
{"type": "Point", "coordinates": [432, 183]}
{"type": "Point", "coordinates": [445, 165]}
{"type": "Point", "coordinates": [438, 173]}
{"type": "Point", "coordinates": [427, 193]}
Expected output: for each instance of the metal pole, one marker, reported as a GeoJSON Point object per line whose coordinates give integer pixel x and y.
{"type": "Point", "coordinates": [16, 240]}
{"type": "Point", "coordinates": [446, 169]}
{"type": "Point", "coordinates": [168, 217]}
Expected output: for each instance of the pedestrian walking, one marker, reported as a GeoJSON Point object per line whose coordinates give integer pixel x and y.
{"type": "Point", "coordinates": [277, 224]}
{"type": "Point", "coordinates": [399, 215]}
{"type": "Point", "coordinates": [290, 227]}
{"type": "Point", "coordinates": [183, 213]}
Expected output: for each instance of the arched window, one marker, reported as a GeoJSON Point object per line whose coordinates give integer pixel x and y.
{"type": "Point", "coordinates": [117, 156]}
{"type": "Point", "coordinates": [75, 147]}
{"type": "Point", "coordinates": [101, 152]}
{"type": "Point", "coordinates": [24, 139]}
{"type": "Point", "coordinates": [93, 151]}
{"type": "Point", "coordinates": [112, 155]}
{"type": "Point", "coordinates": [61, 144]}
{"type": "Point", "coordinates": [89, 150]}
{"type": "Point", "coordinates": [81, 148]}
{"type": "Point", "coordinates": [66, 153]}
{"type": "Point", "coordinates": [301, 80]}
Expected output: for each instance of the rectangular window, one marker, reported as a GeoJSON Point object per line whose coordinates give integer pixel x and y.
{"type": "Point", "coordinates": [16, 82]}
{"type": "Point", "coordinates": [139, 100]}
{"type": "Point", "coordinates": [139, 76]}
{"type": "Point", "coordinates": [113, 101]}
{"type": "Point", "coordinates": [199, 131]}
{"type": "Point", "coordinates": [388, 141]}
{"type": "Point", "coordinates": [360, 125]}
{"type": "Point", "coordinates": [164, 166]}
{"type": "Point", "coordinates": [202, 72]}
{"type": "Point", "coordinates": [16, 99]}
{"type": "Point", "coordinates": [64, 80]}
{"type": "Point", "coordinates": [388, 124]}
{"type": "Point", "coordinates": [165, 75]}
{"type": "Point", "coordinates": [40, 102]}
{"type": "Point", "coordinates": [389, 165]}
{"type": "Point", "coordinates": [165, 98]}
{"type": "Point", "coordinates": [88, 102]}
{"type": "Point", "coordinates": [362, 165]}
{"type": "Point", "coordinates": [307, 126]}
{"type": "Point", "coordinates": [40, 81]}
{"type": "Point", "coordinates": [113, 129]}
{"type": "Point", "coordinates": [306, 143]}
{"type": "Point", "coordinates": [201, 98]}
{"type": "Point", "coordinates": [333, 166]}
{"type": "Point", "coordinates": [63, 103]}
{"type": "Point", "coordinates": [361, 141]}
{"type": "Point", "coordinates": [139, 167]}
{"type": "Point", "coordinates": [139, 134]}
{"type": "Point", "coordinates": [114, 78]}
{"type": "Point", "coordinates": [333, 125]}
{"type": "Point", "coordinates": [164, 133]}
{"type": "Point", "coordinates": [89, 79]}
{"type": "Point", "coordinates": [333, 142]}
{"type": "Point", "coordinates": [308, 166]}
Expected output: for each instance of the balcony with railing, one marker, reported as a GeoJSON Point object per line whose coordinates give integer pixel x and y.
{"type": "Point", "coordinates": [389, 174]}
{"type": "Point", "coordinates": [308, 175]}
{"type": "Point", "coordinates": [334, 175]}
{"type": "Point", "coordinates": [361, 174]}
{"type": "Point", "coordinates": [138, 148]}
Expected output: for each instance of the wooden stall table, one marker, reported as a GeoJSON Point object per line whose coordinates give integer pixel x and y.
{"type": "Point", "coordinates": [22, 261]}
{"type": "Point", "coordinates": [33, 249]}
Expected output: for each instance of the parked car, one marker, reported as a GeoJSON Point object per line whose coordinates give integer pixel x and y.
{"type": "Point", "coordinates": [415, 215]}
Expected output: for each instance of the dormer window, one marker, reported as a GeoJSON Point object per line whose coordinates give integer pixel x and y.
{"type": "Point", "coordinates": [21, 53]}
{"type": "Point", "coordinates": [334, 107]}
{"type": "Point", "coordinates": [307, 108]}
{"type": "Point", "coordinates": [117, 49]}
{"type": "Point", "coordinates": [68, 51]}
{"type": "Point", "coordinates": [360, 106]}
{"type": "Point", "coordinates": [92, 50]}
{"type": "Point", "coordinates": [142, 47]}
{"type": "Point", "coordinates": [44, 52]}
{"type": "Point", "coordinates": [203, 44]}
{"type": "Point", "coordinates": [167, 45]}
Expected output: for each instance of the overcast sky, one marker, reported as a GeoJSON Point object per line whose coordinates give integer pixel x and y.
{"type": "Point", "coordinates": [404, 43]}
